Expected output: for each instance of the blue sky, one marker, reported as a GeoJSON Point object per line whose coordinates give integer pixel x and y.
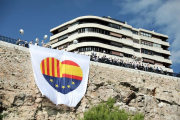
{"type": "Point", "coordinates": [37, 17]}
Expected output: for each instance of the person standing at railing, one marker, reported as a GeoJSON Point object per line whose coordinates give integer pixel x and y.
{"type": "Point", "coordinates": [150, 68]}
{"type": "Point", "coordinates": [134, 65]}
{"type": "Point", "coordinates": [118, 62]}
{"type": "Point", "coordinates": [161, 70]}
{"type": "Point", "coordinates": [157, 69]}
{"type": "Point", "coordinates": [170, 72]}
{"type": "Point", "coordinates": [26, 44]}
{"type": "Point", "coordinates": [137, 65]}
{"type": "Point", "coordinates": [97, 59]}
{"type": "Point", "coordinates": [154, 69]}
{"type": "Point", "coordinates": [125, 63]}
{"type": "Point", "coordinates": [110, 60]}
{"type": "Point", "coordinates": [131, 64]}
{"type": "Point", "coordinates": [121, 62]}
{"type": "Point", "coordinates": [18, 42]}
{"type": "Point", "coordinates": [145, 67]}
{"type": "Point", "coordinates": [105, 59]}
{"type": "Point", "coordinates": [100, 58]}
{"type": "Point", "coordinates": [31, 42]}
{"type": "Point", "coordinates": [115, 61]}
{"type": "Point", "coordinates": [142, 66]}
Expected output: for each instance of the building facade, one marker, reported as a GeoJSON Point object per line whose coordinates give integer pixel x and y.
{"type": "Point", "coordinates": [113, 38]}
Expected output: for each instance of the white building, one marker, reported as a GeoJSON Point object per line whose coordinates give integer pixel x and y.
{"type": "Point", "coordinates": [118, 40]}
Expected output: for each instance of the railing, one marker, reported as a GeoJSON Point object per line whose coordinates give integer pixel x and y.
{"type": "Point", "coordinates": [147, 69]}
{"type": "Point", "coordinates": [7, 39]}
{"type": "Point", "coordinates": [14, 41]}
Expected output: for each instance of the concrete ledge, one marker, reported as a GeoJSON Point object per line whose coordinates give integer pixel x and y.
{"type": "Point", "coordinates": [133, 70]}
{"type": "Point", "coordinates": [10, 45]}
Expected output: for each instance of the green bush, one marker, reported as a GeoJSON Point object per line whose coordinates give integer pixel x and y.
{"type": "Point", "coordinates": [106, 111]}
{"type": "Point", "coordinates": [138, 116]}
{"type": "Point", "coordinates": [2, 116]}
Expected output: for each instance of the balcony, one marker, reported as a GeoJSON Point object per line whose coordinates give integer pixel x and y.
{"type": "Point", "coordinates": [156, 49]}
{"type": "Point", "coordinates": [155, 40]}
{"type": "Point", "coordinates": [157, 58]}
{"type": "Point", "coordinates": [95, 25]}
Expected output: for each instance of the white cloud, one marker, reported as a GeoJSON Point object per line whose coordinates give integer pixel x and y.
{"type": "Point", "coordinates": [175, 55]}
{"type": "Point", "coordinates": [137, 6]}
{"type": "Point", "coordinates": [162, 15]}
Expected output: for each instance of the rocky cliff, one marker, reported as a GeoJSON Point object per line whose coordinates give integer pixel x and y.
{"type": "Point", "coordinates": [156, 96]}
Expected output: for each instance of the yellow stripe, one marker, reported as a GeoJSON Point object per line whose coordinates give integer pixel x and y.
{"type": "Point", "coordinates": [71, 70]}
{"type": "Point", "coordinates": [50, 66]}
{"type": "Point", "coordinates": [45, 66]}
{"type": "Point", "coordinates": [55, 67]}
{"type": "Point", "coordinates": [60, 65]}
{"type": "Point", "coordinates": [63, 69]}
{"type": "Point", "coordinates": [41, 66]}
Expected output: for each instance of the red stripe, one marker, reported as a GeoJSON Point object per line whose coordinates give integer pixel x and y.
{"type": "Point", "coordinates": [72, 76]}
{"type": "Point", "coordinates": [53, 67]}
{"type": "Point", "coordinates": [43, 70]}
{"type": "Point", "coordinates": [58, 69]}
{"type": "Point", "coordinates": [68, 62]}
{"type": "Point", "coordinates": [47, 66]}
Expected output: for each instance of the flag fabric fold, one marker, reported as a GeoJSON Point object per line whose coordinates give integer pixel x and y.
{"type": "Point", "coordinates": [61, 76]}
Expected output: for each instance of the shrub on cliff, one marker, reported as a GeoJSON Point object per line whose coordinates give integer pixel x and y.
{"type": "Point", "coordinates": [2, 116]}
{"type": "Point", "coordinates": [107, 111]}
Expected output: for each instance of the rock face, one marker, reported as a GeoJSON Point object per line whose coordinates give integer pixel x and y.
{"type": "Point", "coordinates": [157, 97]}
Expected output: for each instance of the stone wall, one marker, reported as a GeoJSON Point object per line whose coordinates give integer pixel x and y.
{"type": "Point", "coordinates": [156, 96]}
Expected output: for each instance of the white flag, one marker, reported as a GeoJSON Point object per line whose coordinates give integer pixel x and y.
{"type": "Point", "coordinates": [61, 76]}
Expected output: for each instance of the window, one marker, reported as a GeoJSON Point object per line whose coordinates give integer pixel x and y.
{"type": "Point", "coordinates": [84, 49]}
{"type": "Point", "coordinates": [127, 55]}
{"type": "Point", "coordinates": [146, 34]}
{"type": "Point", "coordinates": [63, 37]}
{"type": "Point", "coordinates": [63, 28]}
{"type": "Point", "coordinates": [146, 52]}
{"type": "Point", "coordinates": [136, 50]}
{"type": "Point", "coordinates": [146, 43]}
{"type": "Point", "coordinates": [156, 45]}
{"type": "Point", "coordinates": [82, 30]}
{"type": "Point", "coordinates": [116, 44]}
{"type": "Point", "coordinates": [114, 25]}
{"type": "Point", "coordinates": [158, 54]}
{"type": "Point", "coordinates": [73, 33]}
{"type": "Point", "coordinates": [126, 29]}
{"type": "Point", "coordinates": [134, 32]}
{"type": "Point", "coordinates": [74, 23]}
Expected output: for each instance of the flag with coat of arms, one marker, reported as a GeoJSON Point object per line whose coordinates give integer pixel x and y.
{"type": "Point", "coordinates": [61, 76]}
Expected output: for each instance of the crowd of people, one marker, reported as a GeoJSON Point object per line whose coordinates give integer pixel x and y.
{"type": "Point", "coordinates": [26, 44]}
{"type": "Point", "coordinates": [139, 65]}
{"type": "Point", "coordinates": [22, 43]}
